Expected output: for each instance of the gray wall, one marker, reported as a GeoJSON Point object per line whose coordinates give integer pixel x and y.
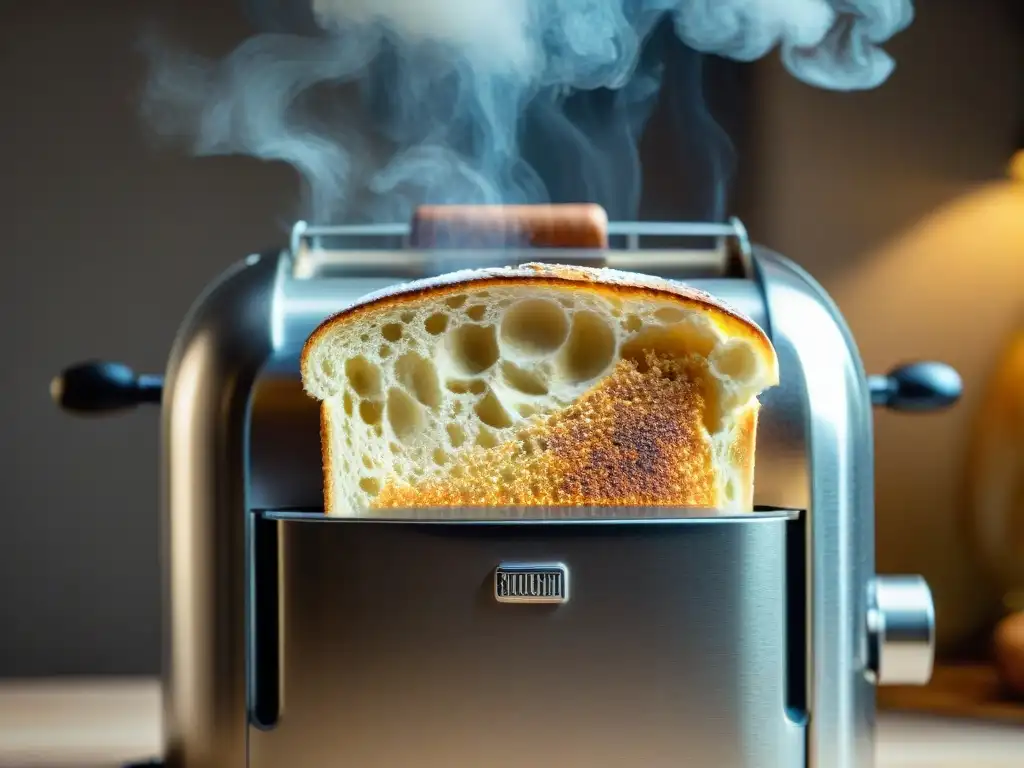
{"type": "Point", "coordinates": [109, 240]}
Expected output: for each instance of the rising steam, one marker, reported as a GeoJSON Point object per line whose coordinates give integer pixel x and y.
{"type": "Point", "coordinates": [384, 104]}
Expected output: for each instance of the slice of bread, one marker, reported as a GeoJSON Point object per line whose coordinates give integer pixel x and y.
{"type": "Point", "coordinates": [538, 385]}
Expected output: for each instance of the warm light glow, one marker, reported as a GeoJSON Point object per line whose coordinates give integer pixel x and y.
{"type": "Point", "coordinates": [950, 287]}
{"type": "Point", "coordinates": [1017, 165]}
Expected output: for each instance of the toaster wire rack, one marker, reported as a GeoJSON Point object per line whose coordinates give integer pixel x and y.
{"type": "Point", "coordinates": [630, 235]}
{"type": "Point", "coordinates": [693, 249]}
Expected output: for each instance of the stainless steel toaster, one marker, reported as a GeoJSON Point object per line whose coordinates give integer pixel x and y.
{"type": "Point", "coordinates": [615, 638]}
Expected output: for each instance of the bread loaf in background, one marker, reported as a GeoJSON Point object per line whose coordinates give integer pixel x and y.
{"type": "Point", "coordinates": [538, 385]}
{"type": "Point", "coordinates": [1008, 647]}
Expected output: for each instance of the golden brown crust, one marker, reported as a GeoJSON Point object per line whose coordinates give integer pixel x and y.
{"type": "Point", "coordinates": [328, 455]}
{"type": "Point", "coordinates": [634, 439]}
{"type": "Point", "coordinates": [538, 226]}
{"type": "Point", "coordinates": [623, 286]}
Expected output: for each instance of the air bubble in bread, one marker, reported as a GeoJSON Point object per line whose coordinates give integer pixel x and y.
{"type": "Point", "coordinates": [471, 348]}
{"type": "Point", "coordinates": [590, 348]}
{"type": "Point", "coordinates": [560, 386]}
{"type": "Point", "coordinates": [418, 376]}
{"type": "Point", "coordinates": [534, 327]}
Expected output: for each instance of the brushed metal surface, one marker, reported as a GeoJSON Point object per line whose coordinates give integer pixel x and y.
{"type": "Point", "coordinates": [672, 650]}
{"type": "Point", "coordinates": [219, 350]}
{"type": "Point", "coordinates": [901, 630]}
{"type": "Point", "coordinates": [817, 441]}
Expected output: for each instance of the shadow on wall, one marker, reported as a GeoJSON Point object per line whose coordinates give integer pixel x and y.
{"type": "Point", "coordinates": [950, 288]}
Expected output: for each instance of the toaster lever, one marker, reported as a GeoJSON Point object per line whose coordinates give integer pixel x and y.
{"type": "Point", "coordinates": [97, 386]}
{"type": "Point", "coordinates": [923, 386]}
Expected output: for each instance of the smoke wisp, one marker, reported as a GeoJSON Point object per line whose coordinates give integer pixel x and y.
{"type": "Point", "coordinates": [381, 105]}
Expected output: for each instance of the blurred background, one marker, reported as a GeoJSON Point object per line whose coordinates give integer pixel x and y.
{"type": "Point", "coordinates": [897, 199]}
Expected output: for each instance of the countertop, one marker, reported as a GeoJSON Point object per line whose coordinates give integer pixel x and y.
{"type": "Point", "coordinates": [104, 723]}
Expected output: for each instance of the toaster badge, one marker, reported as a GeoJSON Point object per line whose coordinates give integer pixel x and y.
{"type": "Point", "coordinates": [531, 583]}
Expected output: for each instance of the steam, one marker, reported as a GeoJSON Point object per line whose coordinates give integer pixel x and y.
{"type": "Point", "coordinates": [381, 105]}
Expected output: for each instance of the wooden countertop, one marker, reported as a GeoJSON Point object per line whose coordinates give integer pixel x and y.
{"type": "Point", "coordinates": [104, 723]}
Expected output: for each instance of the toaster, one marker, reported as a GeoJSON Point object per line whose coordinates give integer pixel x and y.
{"type": "Point", "coordinates": [541, 638]}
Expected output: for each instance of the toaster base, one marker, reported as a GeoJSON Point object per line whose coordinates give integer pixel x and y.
{"type": "Point", "coordinates": [380, 644]}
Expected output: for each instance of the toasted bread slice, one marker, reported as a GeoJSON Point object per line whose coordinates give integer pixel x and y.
{"type": "Point", "coordinates": [538, 385]}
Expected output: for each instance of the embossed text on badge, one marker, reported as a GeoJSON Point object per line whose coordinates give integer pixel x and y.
{"type": "Point", "coordinates": [531, 583]}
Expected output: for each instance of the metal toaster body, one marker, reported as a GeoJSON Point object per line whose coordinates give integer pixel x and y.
{"type": "Point", "coordinates": [668, 647]}
{"type": "Point", "coordinates": [293, 640]}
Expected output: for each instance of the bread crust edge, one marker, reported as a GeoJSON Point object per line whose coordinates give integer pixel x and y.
{"type": "Point", "coordinates": [608, 282]}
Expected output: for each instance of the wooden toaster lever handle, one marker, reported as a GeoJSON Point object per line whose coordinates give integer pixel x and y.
{"type": "Point", "coordinates": [583, 225]}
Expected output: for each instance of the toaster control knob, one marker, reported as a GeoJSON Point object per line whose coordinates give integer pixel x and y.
{"type": "Point", "coordinates": [101, 387]}
{"type": "Point", "coordinates": [901, 631]}
{"type": "Point", "coordinates": [923, 386]}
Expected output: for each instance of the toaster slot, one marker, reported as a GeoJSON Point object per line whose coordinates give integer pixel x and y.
{"type": "Point", "coordinates": [262, 617]}
{"type": "Point", "coordinates": [796, 617]}
{"type": "Point", "coordinates": [637, 640]}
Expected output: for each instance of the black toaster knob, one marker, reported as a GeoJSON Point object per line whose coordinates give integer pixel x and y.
{"type": "Point", "coordinates": [96, 387]}
{"type": "Point", "coordinates": [920, 387]}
